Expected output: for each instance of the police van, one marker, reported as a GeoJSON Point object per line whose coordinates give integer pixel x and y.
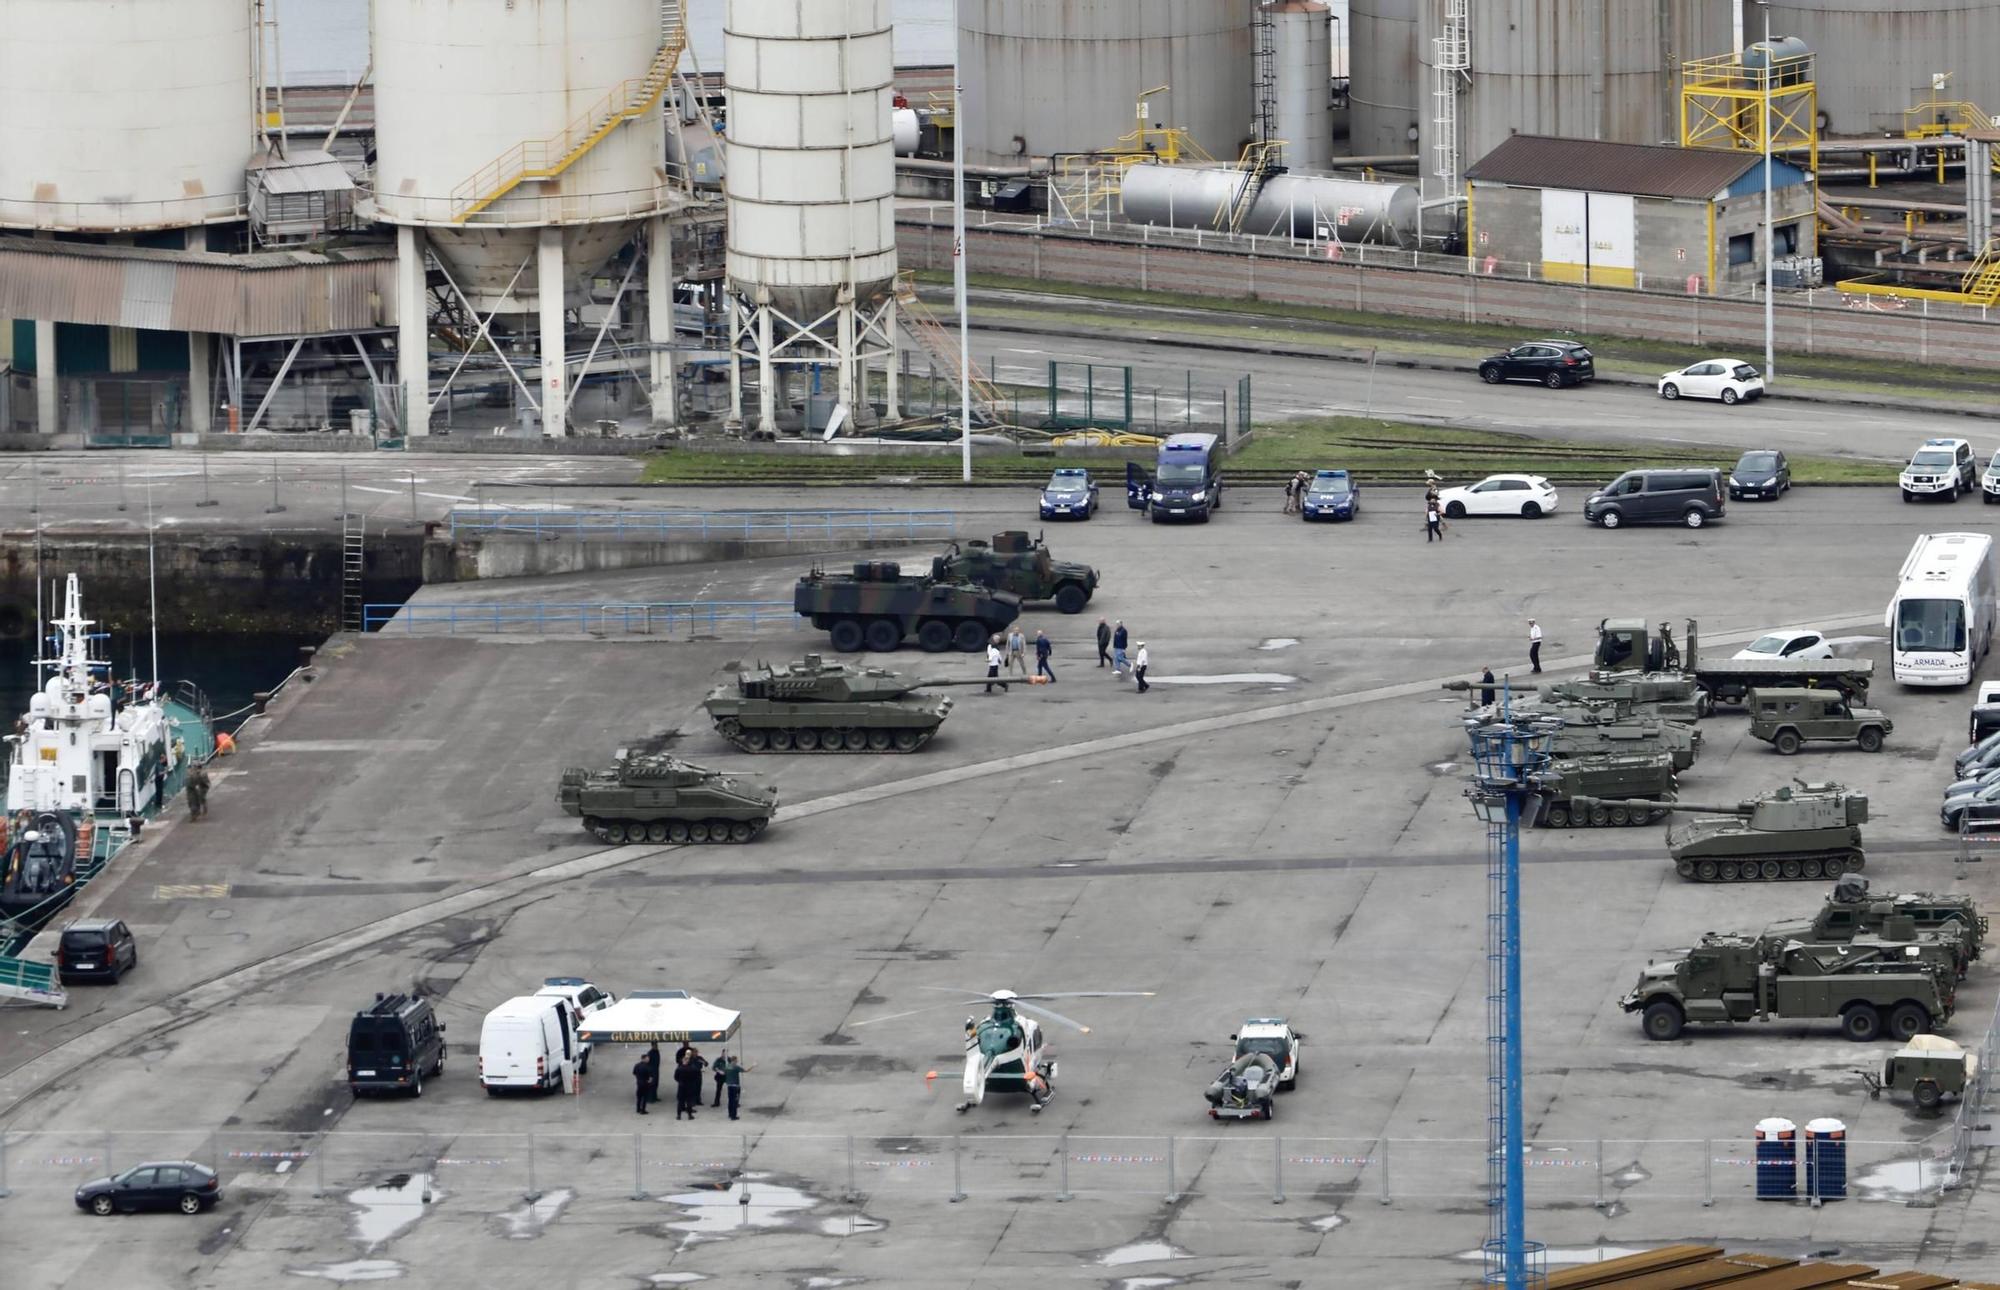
{"type": "Point", "coordinates": [392, 1044]}
{"type": "Point", "coordinates": [1185, 482]}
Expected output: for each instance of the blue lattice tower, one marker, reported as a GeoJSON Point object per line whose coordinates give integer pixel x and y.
{"type": "Point", "coordinates": [1508, 753]}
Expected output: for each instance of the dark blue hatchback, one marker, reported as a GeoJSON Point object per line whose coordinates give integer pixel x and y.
{"type": "Point", "coordinates": [1332, 495]}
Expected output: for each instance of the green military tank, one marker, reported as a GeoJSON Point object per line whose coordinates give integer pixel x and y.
{"type": "Point", "coordinates": [1618, 725]}
{"type": "Point", "coordinates": [825, 705]}
{"type": "Point", "coordinates": [1645, 782]}
{"type": "Point", "coordinates": [660, 799]}
{"type": "Point", "coordinates": [1789, 834]}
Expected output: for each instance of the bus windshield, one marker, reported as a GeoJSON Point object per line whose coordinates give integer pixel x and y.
{"type": "Point", "coordinates": [1930, 625]}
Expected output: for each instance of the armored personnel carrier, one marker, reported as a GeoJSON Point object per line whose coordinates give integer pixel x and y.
{"type": "Point", "coordinates": [822, 705]}
{"type": "Point", "coordinates": [1017, 563]}
{"type": "Point", "coordinates": [1788, 834]}
{"type": "Point", "coordinates": [655, 798]}
{"type": "Point", "coordinates": [1853, 910]}
{"type": "Point", "coordinates": [1644, 782]}
{"type": "Point", "coordinates": [877, 606]}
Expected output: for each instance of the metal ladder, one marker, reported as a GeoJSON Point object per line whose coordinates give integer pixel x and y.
{"type": "Point", "coordinates": [353, 563]}
{"type": "Point", "coordinates": [534, 160]}
{"type": "Point", "coordinates": [1981, 283]}
{"type": "Point", "coordinates": [922, 324]}
{"type": "Point", "coordinates": [1451, 61]}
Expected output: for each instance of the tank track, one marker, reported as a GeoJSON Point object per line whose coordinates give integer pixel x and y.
{"type": "Point", "coordinates": [1811, 866]}
{"type": "Point", "coordinates": [1623, 818]}
{"type": "Point", "coordinates": [670, 832]}
{"type": "Point", "coordinates": [897, 741]}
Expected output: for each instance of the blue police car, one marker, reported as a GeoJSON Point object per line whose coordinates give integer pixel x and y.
{"type": "Point", "coordinates": [1331, 495]}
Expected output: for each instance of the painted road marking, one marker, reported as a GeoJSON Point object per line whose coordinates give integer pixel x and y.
{"type": "Point", "coordinates": [191, 891]}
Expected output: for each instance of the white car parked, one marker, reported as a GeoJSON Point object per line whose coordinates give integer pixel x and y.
{"type": "Point", "coordinates": [1526, 495]}
{"type": "Point", "coordinates": [1730, 379]}
{"type": "Point", "coordinates": [1798, 642]}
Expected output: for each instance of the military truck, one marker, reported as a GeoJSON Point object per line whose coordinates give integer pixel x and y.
{"type": "Point", "coordinates": [877, 606]}
{"type": "Point", "coordinates": [1643, 781]}
{"type": "Point", "coordinates": [660, 799]}
{"type": "Point", "coordinates": [1016, 563]}
{"type": "Point", "coordinates": [1874, 988]}
{"type": "Point", "coordinates": [1787, 834]}
{"type": "Point", "coordinates": [1851, 910]}
{"type": "Point", "coordinates": [1786, 719]}
{"type": "Point", "coordinates": [1623, 646]}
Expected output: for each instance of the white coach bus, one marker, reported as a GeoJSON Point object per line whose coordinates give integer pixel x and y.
{"type": "Point", "coordinates": [1941, 619]}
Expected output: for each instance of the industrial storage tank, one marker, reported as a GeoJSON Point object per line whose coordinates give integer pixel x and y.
{"type": "Point", "coordinates": [123, 114]}
{"type": "Point", "coordinates": [1306, 206]}
{"type": "Point", "coordinates": [1581, 68]}
{"type": "Point", "coordinates": [1384, 90]}
{"type": "Point", "coordinates": [470, 92]}
{"type": "Point", "coordinates": [1049, 76]}
{"type": "Point", "coordinates": [812, 162]}
{"type": "Point", "coordinates": [1876, 57]}
{"type": "Point", "coordinates": [1302, 33]}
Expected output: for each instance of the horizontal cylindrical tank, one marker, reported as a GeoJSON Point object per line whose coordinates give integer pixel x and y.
{"type": "Point", "coordinates": [1384, 91]}
{"type": "Point", "coordinates": [123, 113]}
{"type": "Point", "coordinates": [1873, 59]}
{"type": "Point", "coordinates": [908, 131]}
{"type": "Point", "coordinates": [1302, 32]}
{"type": "Point", "coordinates": [812, 162]}
{"type": "Point", "coordinates": [1326, 207]}
{"type": "Point", "coordinates": [1049, 76]}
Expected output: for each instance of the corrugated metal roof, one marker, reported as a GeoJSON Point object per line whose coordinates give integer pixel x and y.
{"type": "Point", "coordinates": [1595, 166]}
{"type": "Point", "coordinates": [304, 172]}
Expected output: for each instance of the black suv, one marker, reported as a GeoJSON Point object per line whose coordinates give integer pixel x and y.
{"type": "Point", "coordinates": [393, 1044]}
{"type": "Point", "coordinates": [1554, 363]}
{"type": "Point", "coordinates": [96, 949]}
{"type": "Point", "coordinates": [1666, 496]}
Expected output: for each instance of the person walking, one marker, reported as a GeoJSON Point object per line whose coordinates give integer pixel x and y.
{"type": "Point", "coordinates": [652, 1060]}
{"type": "Point", "coordinates": [1118, 639]}
{"type": "Point", "coordinates": [1042, 651]}
{"type": "Point", "coordinates": [1535, 644]}
{"type": "Point", "coordinates": [729, 1074]}
{"type": "Point", "coordinates": [1017, 650]}
{"type": "Point", "coordinates": [1103, 643]}
{"type": "Point", "coordinates": [687, 1089]}
{"type": "Point", "coordinates": [993, 657]}
{"type": "Point", "coordinates": [197, 792]}
{"type": "Point", "coordinates": [1486, 686]}
{"type": "Point", "coordinates": [643, 1081]}
{"type": "Point", "coordinates": [719, 1070]}
{"type": "Point", "coordinates": [1433, 521]}
{"type": "Point", "coordinates": [1139, 662]}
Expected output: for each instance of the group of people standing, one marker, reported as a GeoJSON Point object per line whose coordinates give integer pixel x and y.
{"type": "Point", "coordinates": [1011, 652]}
{"type": "Point", "coordinates": [1111, 644]}
{"type": "Point", "coordinates": [1295, 492]}
{"type": "Point", "coordinates": [688, 1067]}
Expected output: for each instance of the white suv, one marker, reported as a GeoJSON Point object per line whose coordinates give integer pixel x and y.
{"type": "Point", "coordinates": [1989, 484]}
{"type": "Point", "coordinates": [1275, 1038]}
{"type": "Point", "coordinates": [1940, 466]}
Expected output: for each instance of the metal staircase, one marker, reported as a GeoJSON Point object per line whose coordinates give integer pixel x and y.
{"type": "Point", "coordinates": [1451, 63]}
{"type": "Point", "coordinates": [922, 324]}
{"type": "Point", "coordinates": [1981, 283]}
{"type": "Point", "coordinates": [535, 160]}
{"type": "Point", "coordinates": [1261, 159]}
{"type": "Point", "coordinates": [353, 563]}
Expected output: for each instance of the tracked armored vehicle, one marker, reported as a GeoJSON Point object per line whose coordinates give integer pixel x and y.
{"type": "Point", "coordinates": [877, 606]}
{"type": "Point", "coordinates": [1644, 782]}
{"type": "Point", "coordinates": [825, 705]}
{"type": "Point", "coordinates": [658, 799]}
{"type": "Point", "coordinates": [1598, 726]}
{"type": "Point", "coordinates": [1786, 835]}
{"type": "Point", "coordinates": [1017, 563]}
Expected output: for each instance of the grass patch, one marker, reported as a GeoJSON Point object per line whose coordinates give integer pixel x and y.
{"type": "Point", "coordinates": [1397, 333]}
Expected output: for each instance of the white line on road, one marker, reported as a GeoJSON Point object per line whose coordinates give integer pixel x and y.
{"type": "Point", "coordinates": [363, 488]}
{"type": "Point", "coordinates": [446, 497]}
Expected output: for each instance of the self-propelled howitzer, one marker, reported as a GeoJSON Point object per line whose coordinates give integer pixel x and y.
{"type": "Point", "coordinates": [827, 705]}
{"type": "Point", "coordinates": [1789, 834]}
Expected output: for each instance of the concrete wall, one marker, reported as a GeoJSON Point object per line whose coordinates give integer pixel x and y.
{"type": "Point", "coordinates": [1382, 280]}
{"type": "Point", "coordinates": [473, 560]}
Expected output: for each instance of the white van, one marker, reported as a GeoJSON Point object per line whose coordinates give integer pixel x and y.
{"type": "Point", "coordinates": [526, 1043]}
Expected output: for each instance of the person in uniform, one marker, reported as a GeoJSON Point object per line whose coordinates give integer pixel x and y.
{"type": "Point", "coordinates": [197, 792]}
{"type": "Point", "coordinates": [643, 1080]}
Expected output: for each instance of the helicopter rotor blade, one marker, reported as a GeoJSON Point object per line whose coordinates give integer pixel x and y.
{"type": "Point", "coordinates": [929, 1007]}
{"type": "Point", "coordinates": [1091, 994]}
{"type": "Point", "coordinates": [1077, 1026]}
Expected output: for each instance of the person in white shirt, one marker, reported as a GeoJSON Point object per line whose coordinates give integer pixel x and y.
{"type": "Point", "coordinates": [993, 657]}
{"type": "Point", "coordinates": [1139, 662]}
{"type": "Point", "coordinates": [1535, 644]}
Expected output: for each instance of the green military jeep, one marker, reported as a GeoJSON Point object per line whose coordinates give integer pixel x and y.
{"type": "Point", "coordinates": [1788, 718]}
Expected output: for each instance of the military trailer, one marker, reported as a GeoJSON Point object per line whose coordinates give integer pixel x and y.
{"type": "Point", "coordinates": [1014, 562]}
{"type": "Point", "coordinates": [662, 800]}
{"type": "Point", "coordinates": [1930, 1069]}
{"type": "Point", "coordinates": [878, 606]}
{"type": "Point", "coordinates": [825, 705]}
{"type": "Point", "coordinates": [1623, 646]}
{"type": "Point", "coordinates": [1644, 783]}
{"type": "Point", "coordinates": [1787, 719]}
{"type": "Point", "coordinates": [1873, 988]}
{"type": "Point", "coordinates": [1786, 835]}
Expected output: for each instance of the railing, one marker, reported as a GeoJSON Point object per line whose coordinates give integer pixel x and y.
{"type": "Point", "coordinates": [865, 527]}
{"type": "Point", "coordinates": [26, 981]}
{"type": "Point", "coordinates": [901, 1175]}
{"type": "Point", "coordinates": [1970, 1118]}
{"type": "Point", "coordinates": [665, 618]}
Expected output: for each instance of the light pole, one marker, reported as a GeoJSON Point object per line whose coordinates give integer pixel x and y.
{"type": "Point", "coordinates": [1770, 231]}
{"type": "Point", "coordinates": [958, 253]}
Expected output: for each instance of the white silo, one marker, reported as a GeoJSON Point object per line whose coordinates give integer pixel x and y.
{"type": "Point", "coordinates": [811, 190]}
{"type": "Point", "coordinates": [1302, 32]}
{"type": "Point", "coordinates": [521, 140]}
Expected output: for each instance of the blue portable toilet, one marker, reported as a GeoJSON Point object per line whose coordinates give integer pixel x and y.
{"type": "Point", "coordinates": [1826, 1159]}
{"type": "Point", "coordinates": [1777, 1159]}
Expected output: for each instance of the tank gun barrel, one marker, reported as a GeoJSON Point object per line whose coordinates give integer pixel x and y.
{"type": "Point", "coordinates": [1698, 808]}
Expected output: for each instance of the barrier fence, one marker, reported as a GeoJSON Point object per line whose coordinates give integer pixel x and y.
{"type": "Point", "coordinates": [664, 618]}
{"type": "Point", "coordinates": [799, 1171]}
{"type": "Point", "coordinates": [748, 526]}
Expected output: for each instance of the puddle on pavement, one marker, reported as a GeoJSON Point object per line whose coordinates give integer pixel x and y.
{"type": "Point", "coordinates": [828, 1283]}
{"type": "Point", "coordinates": [526, 1221]}
{"type": "Point", "coordinates": [850, 1225]}
{"type": "Point", "coordinates": [1278, 642]}
{"type": "Point", "coordinates": [1326, 1224]}
{"type": "Point", "coordinates": [1226, 678]}
{"type": "Point", "coordinates": [388, 1209]}
{"type": "Point", "coordinates": [674, 1278]}
{"type": "Point", "coordinates": [1143, 1252]}
{"type": "Point", "coordinates": [1146, 1283]}
{"type": "Point", "coordinates": [1897, 1180]}
{"type": "Point", "coordinates": [724, 1210]}
{"type": "Point", "coordinates": [358, 1270]}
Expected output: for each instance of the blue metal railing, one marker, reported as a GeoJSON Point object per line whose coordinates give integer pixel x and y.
{"type": "Point", "coordinates": [766, 526]}
{"type": "Point", "coordinates": [663, 618]}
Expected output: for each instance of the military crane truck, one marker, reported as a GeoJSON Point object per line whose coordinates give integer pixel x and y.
{"type": "Point", "coordinates": [1875, 987]}
{"type": "Point", "coordinates": [1623, 646]}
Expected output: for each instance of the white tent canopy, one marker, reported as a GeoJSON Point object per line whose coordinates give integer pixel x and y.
{"type": "Point", "coordinates": [660, 1017]}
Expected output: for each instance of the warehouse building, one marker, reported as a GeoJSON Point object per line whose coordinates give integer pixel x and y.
{"type": "Point", "coordinates": [1633, 215]}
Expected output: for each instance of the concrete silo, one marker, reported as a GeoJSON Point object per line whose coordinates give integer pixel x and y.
{"type": "Point", "coordinates": [1384, 98]}
{"type": "Point", "coordinates": [1874, 58]}
{"type": "Point", "coordinates": [522, 144]}
{"type": "Point", "coordinates": [1302, 34]}
{"type": "Point", "coordinates": [810, 193]}
{"type": "Point", "coordinates": [1049, 76]}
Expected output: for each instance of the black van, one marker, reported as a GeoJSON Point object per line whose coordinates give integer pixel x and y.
{"type": "Point", "coordinates": [1680, 495]}
{"type": "Point", "coordinates": [96, 949]}
{"type": "Point", "coordinates": [393, 1045]}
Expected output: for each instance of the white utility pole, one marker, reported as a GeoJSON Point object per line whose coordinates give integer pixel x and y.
{"type": "Point", "coordinates": [1770, 231]}
{"type": "Point", "coordinates": [958, 253]}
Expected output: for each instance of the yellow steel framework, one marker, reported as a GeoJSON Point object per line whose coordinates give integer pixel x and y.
{"type": "Point", "coordinates": [1980, 284]}
{"type": "Point", "coordinates": [1261, 158]}
{"type": "Point", "coordinates": [1725, 104]}
{"type": "Point", "coordinates": [534, 160]}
